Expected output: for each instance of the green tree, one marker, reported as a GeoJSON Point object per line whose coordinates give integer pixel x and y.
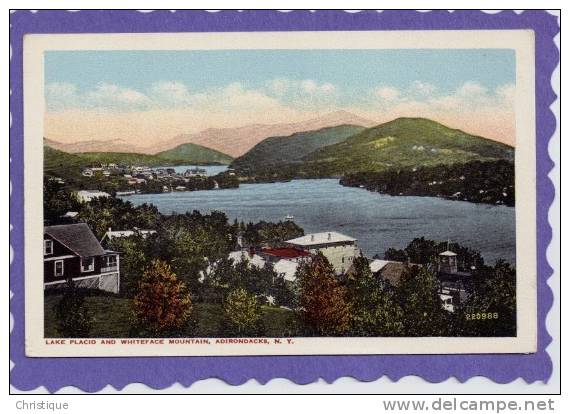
{"type": "Point", "coordinates": [191, 242]}
{"type": "Point", "coordinates": [283, 292]}
{"type": "Point", "coordinates": [227, 275]}
{"type": "Point", "coordinates": [424, 251]}
{"type": "Point", "coordinates": [271, 234]}
{"type": "Point", "coordinates": [57, 201]}
{"type": "Point", "coordinates": [494, 295]}
{"type": "Point", "coordinates": [162, 305]}
{"type": "Point", "coordinates": [322, 299]}
{"type": "Point", "coordinates": [395, 255]}
{"type": "Point", "coordinates": [418, 295]}
{"type": "Point", "coordinates": [73, 318]}
{"type": "Point", "coordinates": [242, 314]}
{"type": "Point", "coordinates": [373, 309]}
{"type": "Point", "coordinates": [134, 259]}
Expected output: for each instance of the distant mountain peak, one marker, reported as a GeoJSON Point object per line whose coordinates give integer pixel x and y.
{"type": "Point", "coordinates": [343, 116]}
{"type": "Point", "coordinates": [237, 141]}
{"type": "Point", "coordinates": [112, 145]}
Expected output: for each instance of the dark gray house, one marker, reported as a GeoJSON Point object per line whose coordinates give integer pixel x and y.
{"type": "Point", "coordinates": [73, 251]}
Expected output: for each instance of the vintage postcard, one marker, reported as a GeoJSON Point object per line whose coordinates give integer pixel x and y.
{"type": "Point", "coordinates": [252, 193]}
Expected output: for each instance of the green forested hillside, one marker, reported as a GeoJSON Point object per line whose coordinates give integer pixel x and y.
{"type": "Point", "coordinates": [56, 161]}
{"type": "Point", "coordinates": [194, 154]}
{"type": "Point", "coordinates": [275, 151]}
{"type": "Point", "coordinates": [489, 182]}
{"type": "Point", "coordinates": [404, 142]}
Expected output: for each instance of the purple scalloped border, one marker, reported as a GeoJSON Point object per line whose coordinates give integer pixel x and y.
{"type": "Point", "coordinates": [92, 374]}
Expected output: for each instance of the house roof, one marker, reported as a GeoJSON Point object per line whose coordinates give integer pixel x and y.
{"type": "Point", "coordinates": [448, 253]}
{"type": "Point", "coordinates": [326, 237]}
{"type": "Point", "coordinates": [285, 252]}
{"type": "Point", "coordinates": [392, 272]}
{"type": "Point", "coordinates": [76, 237]}
{"type": "Point", "coordinates": [377, 265]}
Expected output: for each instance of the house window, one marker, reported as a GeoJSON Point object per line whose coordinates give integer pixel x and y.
{"type": "Point", "coordinates": [109, 263]}
{"type": "Point", "coordinates": [58, 268]}
{"type": "Point", "coordinates": [87, 264]}
{"type": "Point", "coordinates": [48, 247]}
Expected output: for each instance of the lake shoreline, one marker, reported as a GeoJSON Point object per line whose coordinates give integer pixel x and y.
{"type": "Point", "coordinates": [378, 221]}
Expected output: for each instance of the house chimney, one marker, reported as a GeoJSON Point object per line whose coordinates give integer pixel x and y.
{"type": "Point", "coordinates": [109, 229]}
{"type": "Point", "coordinates": [312, 237]}
{"type": "Point", "coordinates": [329, 236]}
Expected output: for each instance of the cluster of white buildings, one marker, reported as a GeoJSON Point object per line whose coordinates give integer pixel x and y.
{"type": "Point", "coordinates": [85, 196]}
{"type": "Point", "coordinates": [341, 251]}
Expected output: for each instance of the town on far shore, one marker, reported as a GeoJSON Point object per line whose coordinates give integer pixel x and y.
{"type": "Point", "coordinates": [134, 179]}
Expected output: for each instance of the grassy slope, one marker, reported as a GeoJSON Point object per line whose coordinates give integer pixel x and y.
{"type": "Point", "coordinates": [405, 142]}
{"type": "Point", "coordinates": [112, 317]}
{"type": "Point", "coordinates": [55, 160]}
{"type": "Point", "coordinates": [194, 154]}
{"type": "Point", "coordinates": [291, 149]}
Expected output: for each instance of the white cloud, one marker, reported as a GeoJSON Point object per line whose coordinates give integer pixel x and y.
{"type": "Point", "coordinates": [506, 93]}
{"type": "Point", "coordinates": [238, 98]}
{"type": "Point", "coordinates": [61, 95]}
{"type": "Point", "coordinates": [113, 96]}
{"type": "Point", "coordinates": [422, 88]}
{"type": "Point", "coordinates": [170, 93]}
{"type": "Point", "coordinates": [165, 94]}
{"type": "Point", "coordinates": [278, 86]}
{"type": "Point", "coordinates": [309, 86]}
{"type": "Point", "coordinates": [61, 89]}
{"type": "Point", "coordinates": [421, 96]}
{"type": "Point", "coordinates": [386, 93]}
{"type": "Point", "coordinates": [471, 89]}
{"type": "Point", "coordinates": [306, 94]}
{"type": "Point", "coordinates": [328, 88]}
{"type": "Point", "coordinates": [289, 87]}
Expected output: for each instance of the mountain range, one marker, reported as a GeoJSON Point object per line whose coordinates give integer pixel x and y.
{"type": "Point", "coordinates": [231, 141]}
{"type": "Point", "coordinates": [401, 143]}
{"type": "Point", "coordinates": [113, 145]}
{"type": "Point", "coordinates": [319, 150]}
{"type": "Point", "coordinates": [237, 141]}
{"type": "Point", "coordinates": [58, 160]}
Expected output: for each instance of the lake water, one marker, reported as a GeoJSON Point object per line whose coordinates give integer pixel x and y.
{"type": "Point", "coordinates": [378, 221]}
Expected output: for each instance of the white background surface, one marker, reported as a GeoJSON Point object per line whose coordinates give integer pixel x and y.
{"type": "Point", "coordinates": [275, 404]}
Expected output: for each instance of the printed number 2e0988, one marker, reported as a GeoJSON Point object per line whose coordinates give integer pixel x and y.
{"type": "Point", "coordinates": [481, 316]}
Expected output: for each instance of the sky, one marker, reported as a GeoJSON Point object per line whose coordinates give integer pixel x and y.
{"type": "Point", "coordinates": [145, 96]}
